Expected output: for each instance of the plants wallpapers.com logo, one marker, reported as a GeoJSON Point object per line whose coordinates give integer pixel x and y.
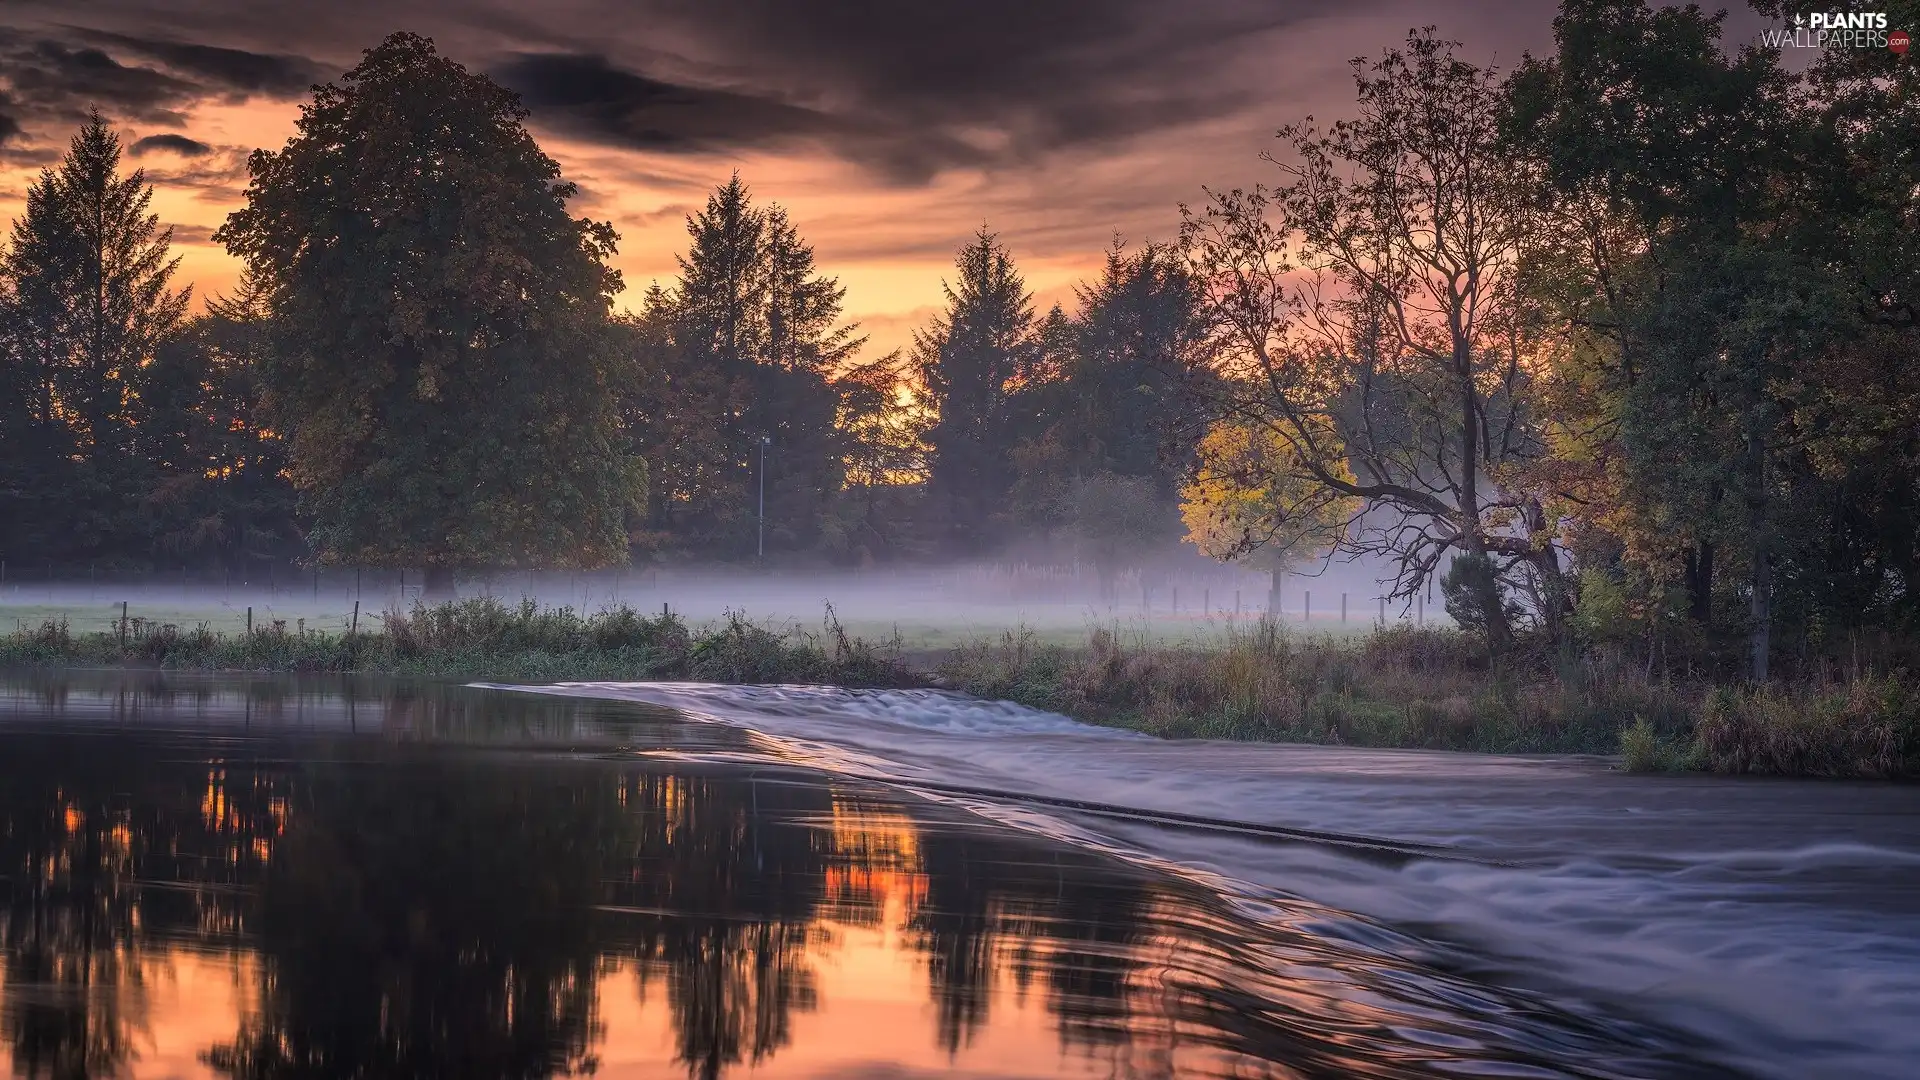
{"type": "Point", "coordinates": [1839, 30]}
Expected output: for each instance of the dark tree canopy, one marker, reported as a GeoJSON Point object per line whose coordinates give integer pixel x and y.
{"type": "Point", "coordinates": [86, 303]}
{"type": "Point", "coordinates": [441, 362]}
{"type": "Point", "coordinates": [968, 362]}
{"type": "Point", "coordinates": [747, 346]}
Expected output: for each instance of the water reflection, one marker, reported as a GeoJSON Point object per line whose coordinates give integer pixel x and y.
{"type": "Point", "coordinates": [346, 893]}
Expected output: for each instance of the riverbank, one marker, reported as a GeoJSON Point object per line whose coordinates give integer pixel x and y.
{"type": "Point", "coordinates": [1400, 687]}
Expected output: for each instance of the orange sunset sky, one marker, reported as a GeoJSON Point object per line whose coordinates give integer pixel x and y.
{"type": "Point", "coordinates": [890, 131]}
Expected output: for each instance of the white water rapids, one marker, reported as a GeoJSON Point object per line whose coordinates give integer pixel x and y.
{"type": "Point", "coordinates": [1779, 920]}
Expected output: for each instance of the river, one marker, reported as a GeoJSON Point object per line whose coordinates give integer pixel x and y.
{"type": "Point", "coordinates": [218, 876]}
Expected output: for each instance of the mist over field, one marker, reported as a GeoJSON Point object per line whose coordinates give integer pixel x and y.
{"type": "Point", "coordinates": [1180, 597]}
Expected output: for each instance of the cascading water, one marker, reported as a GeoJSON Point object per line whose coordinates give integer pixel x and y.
{"type": "Point", "coordinates": [1778, 921]}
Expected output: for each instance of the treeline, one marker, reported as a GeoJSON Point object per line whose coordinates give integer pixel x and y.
{"type": "Point", "coordinates": [422, 367]}
{"type": "Point", "coordinates": [1620, 347]}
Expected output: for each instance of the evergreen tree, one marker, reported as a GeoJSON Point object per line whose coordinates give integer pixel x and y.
{"type": "Point", "coordinates": [749, 345]}
{"type": "Point", "coordinates": [87, 304]}
{"type": "Point", "coordinates": [969, 361]}
{"type": "Point", "coordinates": [1109, 396]}
{"type": "Point", "coordinates": [442, 359]}
{"type": "Point", "coordinates": [221, 493]}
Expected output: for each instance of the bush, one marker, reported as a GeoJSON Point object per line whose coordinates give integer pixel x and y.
{"type": "Point", "coordinates": [1644, 749]}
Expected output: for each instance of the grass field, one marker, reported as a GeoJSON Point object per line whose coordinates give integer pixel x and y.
{"type": "Point", "coordinates": [1057, 624]}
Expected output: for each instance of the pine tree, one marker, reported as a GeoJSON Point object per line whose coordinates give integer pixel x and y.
{"type": "Point", "coordinates": [968, 361]}
{"type": "Point", "coordinates": [750, 340]}
{"type": "Point", "coordinates": [88, 303]}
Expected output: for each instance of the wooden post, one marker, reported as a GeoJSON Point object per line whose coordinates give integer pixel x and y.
{"type": "Point", "coordinates": [123, 623]}
{"type": "Point", "coordinates": [1343, 607]}
{"type": "Point", "coordinates": [1176, 599]}
{"type": "Point", "coordinates": [355, 628]}
{"type": "Point", "coordinates": [1306, 613]}
{"type": "Point", "coordinates": [1420, 610]}
{"type": "Point", "coordinates": [249, 620]}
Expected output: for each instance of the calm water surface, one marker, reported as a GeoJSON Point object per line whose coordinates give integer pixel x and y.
{"type": "Point", "coordinates": [278, 878]}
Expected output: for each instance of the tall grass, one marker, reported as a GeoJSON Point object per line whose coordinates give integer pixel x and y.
{"type": "Point", "coordinates": [1867, 728]}
{"type": "Point", "coordinates": [1433, 688]}
{"type": "Point", "coordinates": [484, 638]}
{"type": "Point", "coordinates": [1404, 686]}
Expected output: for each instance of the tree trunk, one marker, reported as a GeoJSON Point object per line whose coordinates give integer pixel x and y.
{"type": "Point", "coordinates": [1699, 574]}
{"type": "Point", "coordinates": [1469, 449]}
{"type": "Point", "coordinates": [1762, 610]}
{"type": "Point", "coordinates": [437, 585]}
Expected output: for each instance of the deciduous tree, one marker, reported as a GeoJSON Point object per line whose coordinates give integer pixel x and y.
{"type": "Point", "coordinates": [442, 363]}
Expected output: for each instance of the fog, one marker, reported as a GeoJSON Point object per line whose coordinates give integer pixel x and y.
{"type": "Point", "coordinates": [1176, 596]}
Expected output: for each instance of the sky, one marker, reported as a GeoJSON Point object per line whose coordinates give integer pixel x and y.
{"type": "Point", "coordinates": [890, 129]}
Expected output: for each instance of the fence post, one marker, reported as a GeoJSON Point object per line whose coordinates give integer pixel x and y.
{"type": "Point", "coordinates": [123, 624]}
{"type": "Point", "coordinates": [1343, 607]}
{"type": "Point", "coordinates": [249, 620]}
{"type": "Point", "coordinates": [1306, 613]}
{"type": "Point", "coordinates": [355, 627]}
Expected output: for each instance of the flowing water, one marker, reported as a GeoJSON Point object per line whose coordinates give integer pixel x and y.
{"type": "Point", "coordinates": [330, 877]}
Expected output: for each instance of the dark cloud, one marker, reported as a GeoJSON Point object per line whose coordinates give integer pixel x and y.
{"type": "Point", "coordinates": [1012, 79]}
{"type": "Point", "coordinates": [236, 71]}
{"type": "Point", "coordinates": [62, 80]}
{"type": "Point", "coordinates": [587, 94]}
{"type": "Point", "coordinates": [51, 76]}
{"type": "Point", "coordinates": [9, 127]}
{"type": "Point", "coordinates": [171, 143]}
{"type": "Point", "coordinates": [192, 234]}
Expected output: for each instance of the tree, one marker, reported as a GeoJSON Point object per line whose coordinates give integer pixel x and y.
{"type": "Point", "coordinates": [220, 489]}
{"type": "Point", "coordinates": [1690, 258]}
{"type": "Point", "coordinates": [748, 345]}
{"type": "Point", "coordinates": [88, 302]}
{"type": "Point", "coordinates": [442, 362]}
{"type": "Point", "coordinates": [1248, 498]}
{"type": "Point", "coordinates": [1107, 395]}
{"type": "Point", "coordinates": [969, 361]}
{"type": "Point", "coordinates": [885, 432]}
{"type": "Point", "coordinates": [1390, 351]}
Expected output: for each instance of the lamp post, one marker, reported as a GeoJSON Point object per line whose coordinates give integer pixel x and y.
{"type": "Point", "coordinates": [765, 441]}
